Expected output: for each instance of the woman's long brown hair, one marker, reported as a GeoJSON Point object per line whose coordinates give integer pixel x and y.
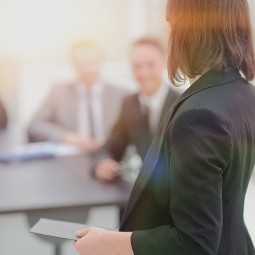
{"type": "Point", "coordinates": [209, 34]}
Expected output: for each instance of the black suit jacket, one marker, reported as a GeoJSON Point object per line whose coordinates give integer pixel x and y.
{"type": "Point", "coordinates": [132, 128]}
{"type": "Point", "coordinates": [189, 196]}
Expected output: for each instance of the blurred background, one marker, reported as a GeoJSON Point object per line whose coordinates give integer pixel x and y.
{"type": "Point", "coordinates": [35, 37]}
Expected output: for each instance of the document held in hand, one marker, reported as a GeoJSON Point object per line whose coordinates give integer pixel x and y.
{"type": "Point", "coordinates": [60, 229]}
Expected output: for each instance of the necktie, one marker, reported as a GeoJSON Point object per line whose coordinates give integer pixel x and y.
{"type": "Point", "coordinates": [89, 100]}
{"type": "Point", "coordinates": [146, 115]}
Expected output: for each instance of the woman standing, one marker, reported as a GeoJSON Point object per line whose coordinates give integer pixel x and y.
{"type": "Point", "coordinates": [189, 196]}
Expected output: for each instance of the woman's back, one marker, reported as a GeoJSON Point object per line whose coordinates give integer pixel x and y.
{"type": "Point", "coordinates": [197, 183]}
{"type": "Point", "coordinates": [234, 103]}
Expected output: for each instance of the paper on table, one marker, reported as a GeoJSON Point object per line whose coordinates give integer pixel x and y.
{"type": "Point", "coordinates": [60, 229]}
{"type": "Point", "coordinates": [38, 151]}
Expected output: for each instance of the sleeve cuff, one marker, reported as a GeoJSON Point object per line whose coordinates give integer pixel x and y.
{"type": "Point", "coordinates": [139, 244]}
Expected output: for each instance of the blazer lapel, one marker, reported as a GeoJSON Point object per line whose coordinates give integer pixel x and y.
{"type": "Point", "coordinates": [208, 80]}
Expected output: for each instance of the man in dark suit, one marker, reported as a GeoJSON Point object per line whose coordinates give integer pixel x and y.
{"type": "Point", "coordinates": [81, 112]}
{"type": "Point", "coordinates": [141, 112]}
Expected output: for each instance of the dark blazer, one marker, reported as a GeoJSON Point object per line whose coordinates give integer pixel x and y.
{"type": "Point", "coordinates": [132, 128]}
{"type": "Point", "coordinates": [189, 196]}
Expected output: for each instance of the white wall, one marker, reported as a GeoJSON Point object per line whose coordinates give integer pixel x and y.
{"type": "Point", "coordinates": [35, 37]}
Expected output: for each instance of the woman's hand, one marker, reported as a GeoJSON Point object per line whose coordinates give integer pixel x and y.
{"type": "Point", "coordinates": [94, 241]}
{"type": "Point", "coordinates": [97, 241]}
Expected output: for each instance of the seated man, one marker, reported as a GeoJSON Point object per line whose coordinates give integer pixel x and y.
{"type": "Point", "coordinates": [81, 113]}
{"type": "Point", "coordinates": [142, 112]}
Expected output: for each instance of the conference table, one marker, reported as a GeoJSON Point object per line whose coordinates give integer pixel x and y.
{"type": "Point", "coordinates": [58, 188]}
{"type": "Point", "coordinates": [56, 184]}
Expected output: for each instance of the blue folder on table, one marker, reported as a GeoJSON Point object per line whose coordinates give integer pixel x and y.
{"type": "Point", "coordinates": [38, 151]}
